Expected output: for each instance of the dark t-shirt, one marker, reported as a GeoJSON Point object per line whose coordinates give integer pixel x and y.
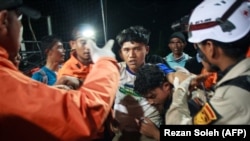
{"type": "Point", "coordinates": [193, 66]}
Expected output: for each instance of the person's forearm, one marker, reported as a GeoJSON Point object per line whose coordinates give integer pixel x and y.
{"type": "Point", "coordinates": [157, 135]}
{"type": "Point", "coordinates": [99, 89]}
{"type": "Point", "coordinates": [178, 113]}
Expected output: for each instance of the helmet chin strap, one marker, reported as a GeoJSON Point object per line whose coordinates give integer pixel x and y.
{"type": "Point", "coordinates": [214, 68]}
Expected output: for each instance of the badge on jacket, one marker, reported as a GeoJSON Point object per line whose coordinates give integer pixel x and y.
{"type": "Point", "coordinates": [205, 116]}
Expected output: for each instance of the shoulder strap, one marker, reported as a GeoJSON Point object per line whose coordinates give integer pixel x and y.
{"type": "Point", "coordinates": [241, 81]}
{"type": "Point", "coordinates": [45, 77]}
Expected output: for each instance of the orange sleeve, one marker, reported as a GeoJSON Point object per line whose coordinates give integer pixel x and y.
{"type": "Point", "coordinates": [248, 52]}
{"type": "Point", "coordinates": [211, 79]}
{"type": "Point", "coordinates": [32, 110]}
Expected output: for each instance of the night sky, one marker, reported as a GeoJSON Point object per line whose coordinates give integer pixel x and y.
{"type": "Point", "coordinates": [155, 15]}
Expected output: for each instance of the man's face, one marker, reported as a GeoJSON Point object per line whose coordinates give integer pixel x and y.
{"type": "Point", "coordinates": [134, 54]}
{"type": "Point", "coordinates": [176, 45]}
{"type": "Point", "coordinates": [57, 52]}
{"type": "Point", "coordinates": [82, 51]}
{"type": "Point", "coordinates": [159, 95]}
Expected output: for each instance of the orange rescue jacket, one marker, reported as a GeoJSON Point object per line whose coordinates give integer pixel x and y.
{"type": "Point", "coordinates": [30, 110]}
{"type": "Point", "coordinates": [72, 67]}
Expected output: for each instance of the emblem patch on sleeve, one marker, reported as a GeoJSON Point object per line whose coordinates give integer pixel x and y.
{"type": "Point", "coordinates": [205, 116]}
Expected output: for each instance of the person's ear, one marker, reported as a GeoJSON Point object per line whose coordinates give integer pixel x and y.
{"type": "Point", "coordinates": [47, 52]}
{"type": "Point", "coordinates": [185, 44]}
{"type": "Point", "coordinates": [3, 20]}
{"type": "Point", "coordinates": [120, 55]}
{"type": "Point", "coordinates": [147, 49]}
{"type": "Point", "coordinates": [72, 45]}
{"type": "Point", "coordinates": [211, 49]}
{"type": "Point", "coordinates": [167, 86]}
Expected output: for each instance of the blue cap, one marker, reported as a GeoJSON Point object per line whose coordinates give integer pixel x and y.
{"type": "Point", "coordinates": [165, 68]}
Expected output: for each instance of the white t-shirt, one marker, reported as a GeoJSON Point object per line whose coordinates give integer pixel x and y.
{"type": "Point", "coordinates": [130, 105]}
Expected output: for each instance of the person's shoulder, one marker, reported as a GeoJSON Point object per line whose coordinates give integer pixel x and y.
{"type": "Point", "coordinates": [38, 74]}
{"type": "Point", "coordinates": [124, 71]}
{"type": "Point", "coordinates": [70, 60]}
{"type": "Point", "coordinates": [187, 56]}
{"type": "Point", "coordinates": [122, 64]}
{"type": "Point", "coordinates": [69, 63]}
{"type": "Point", "coordinates": [169, 57]}
{"type": "Point", "coordinates": [35, 74]}
{"type": "Point", "coordinates": [191, 59]}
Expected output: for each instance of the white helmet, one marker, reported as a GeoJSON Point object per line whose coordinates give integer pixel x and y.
{"type": "Point", "coordinates": [220, 20]}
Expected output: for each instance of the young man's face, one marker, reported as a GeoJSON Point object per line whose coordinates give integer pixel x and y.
{"type": "Point", "coordinates": [57, 52]}
{"type": "Point", "coordinates": [176, 45]}
{"type": "Point", "coordinates": [159, 95]}
{"type": "Point", "coordinates": [134, 54]}
{"type": "Point", "coordinates": [82, 51]}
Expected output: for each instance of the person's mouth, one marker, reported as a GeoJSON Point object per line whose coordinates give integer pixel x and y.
{"type": "Point", "coordinates": [132, 62]}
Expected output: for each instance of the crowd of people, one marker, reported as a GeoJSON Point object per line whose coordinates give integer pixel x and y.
{"type": "Point", "coordinates": [92, 96]}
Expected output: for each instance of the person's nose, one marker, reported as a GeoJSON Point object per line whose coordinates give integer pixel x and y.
{"type": "Point", "coordinates": [64, 50]}
{"type": "Point", "coordinates": [131, 53]}
{"type": "Point", "coordinates": [86, 49]}
{"type": "Point", "coordinates": [150, 101]}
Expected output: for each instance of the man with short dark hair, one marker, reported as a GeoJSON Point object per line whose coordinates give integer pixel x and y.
{"type": "Point", "coordinates": [155, 83]}
{"type": "Point", "coordinates": [128, 105]}
{"type": "Point", "coordinates": [52, 47]}
{"type": "Point", "coordinates": [79, 64]}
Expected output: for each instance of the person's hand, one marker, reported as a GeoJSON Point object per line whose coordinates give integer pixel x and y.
{"type": "Point", "coordinates": [184, 85]}
{"type": "Point", "coordinates": [176, 82]}
{"type": "Point", "coordinates": [178, 77]}
{"type": "Point", "coordinates": [198, 81]}
{"type": "Point", "coordinates": [97, 52]}
{"type": "Point", "coordinates": [190, 83]}
{"type": "Point", "coordinates": [70, 81]}
{"type": "Point", "coordinates": [148, 128]}
{"type": "Point", "coordinates": [114, 123]}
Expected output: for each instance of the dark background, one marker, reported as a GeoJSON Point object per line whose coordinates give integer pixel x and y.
{"type": "Point", "coordinates": [155, 15]}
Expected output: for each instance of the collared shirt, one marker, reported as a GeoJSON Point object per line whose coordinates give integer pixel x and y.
{"type": "Point", "coordinates": [130, 105]}
{"type": "Point", "coordinates": [73, 67]}
{"type": "Point", "coordinates": [172, 62]}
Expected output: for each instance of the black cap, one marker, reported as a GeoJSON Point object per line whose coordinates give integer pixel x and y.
{"type": "Point", "coordinates": [18, 4]}
{"type": "Point", "coordinates": [179, 35]}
